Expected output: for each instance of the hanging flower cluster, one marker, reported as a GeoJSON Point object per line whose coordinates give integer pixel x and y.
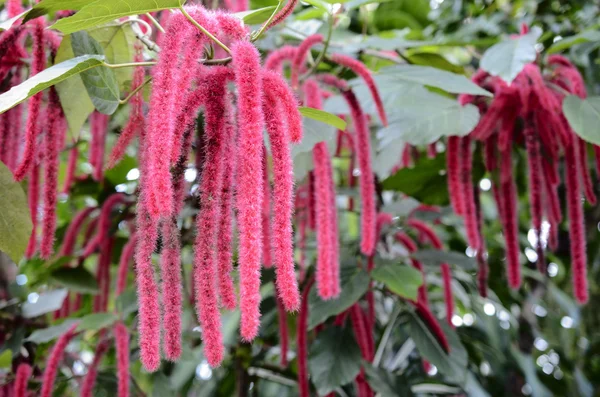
{"type": "Point", "coordinates": [526, 113]}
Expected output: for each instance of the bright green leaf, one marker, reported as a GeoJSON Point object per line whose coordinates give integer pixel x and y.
{"type": "Point", "coordinates": [322, 116]}
{"type": "Point", "coordinates": [97, 321]}
{"type": "Point", "coordinates": [320, 4]}
{"type": "Point", "coordinates": [507, 58]}
{"type": "Point", "coordinates": [103, 11]}
{"type": "Point", "coordinates": [400, 279]}
{"type": "Point", "coordinates": [355, 283]}
{"type": "Point", "coordinates": [6, 359]}
{"type": "Point", "coordinates": [46, 302]}
{"type": "Point", "coordinates": [255, 17]}
{"type": "Point", "coordinates": [100, 83]}
{"type": "Point", "coordinates": [334, 359]}
{"type": "Point", "coordinates": [435, 258]}
{"type": "Point", "coordinates": [584, 117]}
{"type": "Point", "coordinates": [48, 334]}
{"type": "Point", "coordinates": [567, 42]}
{"type": "Point", "coordinates": [48, 78]}
{"type": "Point", "coordinates": [15, 220]}
{"type": "Point", "coordinates": [50, 6]}
{"type": "Point", "coordinates": [76, 279]}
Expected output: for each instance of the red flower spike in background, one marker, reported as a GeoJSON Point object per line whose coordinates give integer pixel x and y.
{"type": "Point", "coordinates": [24, 372]}
{"type": "Point", "coordinates": [54, 359]}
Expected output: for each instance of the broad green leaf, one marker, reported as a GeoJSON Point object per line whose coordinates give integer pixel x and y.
{"type": "Point", "coordinates": [303, 164]}
{"type": "Point", "coordinates": [6, 359]}
{"type": "Point", "coordinates": [529, 368]}
{"type": "Point", "coordinates": [48, 78]}
{"type": "Point", "coordinates": [76, 279]}
{"type": "Point", "coordinates": [352, 4]}
{"type": "Point", "coordinates": [435, 258]}
{"type": "Point", "coordinates": [355, 282]}
{"type": "Point", "coordinates": [100, 83]}
{"type": "Point", "coordinates": [426, 75]}
{"type": "Point", "coordinates": [387, 157]}
{"type": "Point", "coordinates": [97, 321]}
{"type": "Point", "coordinates": [103, 11]}
{"type": "Point", "coordinates": [308, 14]}
{"type": "Point", "coordinates": [320, 4]}
{"type": "Point", "coordinates": [400, 279]}
{"type": "Point", "coordinates": [452, 365]}
{"type": "Point", "coordinates": [334, 359]}
{"type": "Point", "coordinates": [48, 334]}
{"type": "Point", "coordinates": [584, 117]}
{"type": "Point", "coordinates": [5, 25]}
{"type": "Point", "coordinates": [50, 6]}
{"type": "Point", "coordinates": [15, 220]}
{"type": "Point", "coordinates": [385, 383]}
{"type": "Point", "coordinates": [507, 58]}
{"type": "Point", "coordinates": [323, 117]}
{"type": "Point", "coordinates": [254, 17]}
{"type": "Point", "coordinates": [567, 42]}
{"type": "Point", "coordinates": [314, 132]}
{"type": "Point", "coordinates": [126, 303]}
{"type": "Point", "coordinates": [46, 302]}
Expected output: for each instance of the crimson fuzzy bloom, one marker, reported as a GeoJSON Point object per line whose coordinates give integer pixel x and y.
{"type": "Point", "coordinates": [170, 270]}
{"type": "Point", "coordinates": [300, 56]}
{"type": "Point", "coordinates": [535, 191]}
{"type": "Point", "coordinates": [33, 197]}
{"type": "Point", "coordinates": [454, 166]}
{"type": "Point", "coordinates": [122, 353]}
{"type": "Point", "coordinates": [433, 325]}
{"type": "Point", "coordinates": [124, 261]}
{"type": "Point", "coordinates": [266, 215]}
{"type": "Point", "coordinates": [104, 222]}
{"type": "Point", "coordinates": [71, 169]}
{"type": "Point", "coordinates": [54, 359]}
{"type": "Point", "coordinates": [23, 374]}
{"type": "Point", "coordinates": [470, 214]}
{"type": "Point", "coordinates": [507, 195]}
{"type": "Point", "coordinates": [275, 59]}
{"type": "Point", "coordinates": [90, 378]}
{"type": "Point", "coordinates": [246, 65]}
{"type": "Point", "coordinates": [73, 230]}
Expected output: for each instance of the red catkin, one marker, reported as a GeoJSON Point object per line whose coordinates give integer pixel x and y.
{"type": "Point", "coordinates": [470, 214]}
{"type": "Point", "coordinates": [360, 69]}
{"type": "Point", "coordinates": [23, 374]}
{"type": "Point", "coordinates": [71, 169]}
{"type": "Point", "coordinates": [246, 65]}
{"type": "Point", "coordinates": [433, 325]}
{"type": "Point", "coordinates": [360, 332]}
{"type": "Point", "coordinates": [90, 378]}
{"type": "Point", "coordinates": [285, 12]}
{"type": "Point", "coordinates": [54, 358]}
{"type": "Point", "coordinates": [326, 275]}
{"type": "Point", "coordinates": [448, 296]}
{"type": "Point", "coordinates": [98, 127]}
{"type": "Point", "coordinates": [313, 98]}
{"type": "Point", "coordinates": [302, 336]}
{"type": "Point", "coordinates": [576, 225]}
{"type": "Point", "coordinates": [31, 128]}
{"type": "Point", "coordinates": [300, 56]}
{"type": "Point", "coordinates": [283, 192]}
{"type": "Point", "coordinates": [534, 161]}
{"type": "Point", "coordinates": [275, 59]}
{"type": "Point", "coordinates": [126, 257]}
{"type": "Point", "coordinates": [584, 172]}
{"type": "Point", "coordinates": [362, 147]}
{"type": "Point", "coordinates": [266, 214]}
{"type": "Point", "coordinates": [454, 166]}
{"type": "Point", "coordinates": [73, 230]}
{"type": "Point", "coordinates": [283, 332]}
{"type": "Point", "coordinates": [104, 222]}
{"type": "Point", "coordinates": [33, 196]}
{"type": "Point", "coordinates": [508, 204]}
{"type": "Point", "coordinates": [103, 275]}
{"type": "Point", "coordinates": [170, 270]}
{"type": "Point", "coordinates": [122, 354]}
{"type": "Point", "coordinates": [51, 150]}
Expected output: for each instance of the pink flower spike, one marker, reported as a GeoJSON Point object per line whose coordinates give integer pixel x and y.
{"type": "Point", "coordinates": [266, 214]}
{"type": "Point", "coordinates": [33, 198]}
{"type": "Point", "coordinates": [448, 297]}
{"type": "Point", "coordinates": [104, 222]}
{"type": "Point", "coordinates": [275, 59]}
{"type": "Point", "coordinates": [534, 161]}
{"type": "Point", "coordinates": [71, 170]}
{"type": "Point", "coordinates": [283, 192]}
{"type": "Point", "coordinates": [433, 325]}
{"type": "Point", "coordinates": [90, 378]}
{"type": "Point", "coordinates": [170, 270]}
{"type": "Point", "coordinates": [360, 69]}
{"type": "Point", "coordinates": [246, 65]}
{"type": "Point", "coordinates": [285, 12]}
{"type": "Point", "coordinates": [24, 372]}
{"type": "Point", "coordinates": [126, 257]}
{"type": "Point", "coordinates": [301, 54]}
{"type": "Point", "coordinates": [453, 162]}
{"type": "Point", "coordinates": [584, 172]}
{"type": "Point", "coordinates": [427, 231]}
{"type": "Point", "coordinates": [54, 359]}
{"type": "Point", "coordinates": [508, 209]}
{"type": "Point", "coordinates": [99, 127]}
{"type": "Point", "coordinates": [70, 237]}
{"type": "Point", "coordinates": [277, 88]}
{"type": "Point", "coordinates": [470, 214]}
{"type": "Point", "coordinates": [312, 95]}
{"type": "Point", "coordinates": [122, 348]}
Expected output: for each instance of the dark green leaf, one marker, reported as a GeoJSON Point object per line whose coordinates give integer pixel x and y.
{"type": "Point", "coordinates": [355, 282]}
{"type": "Point", "coordinates": [100, 83]}
{"type": "Point", "coordinates": [96, 321]}
{"type": "Point", "coordinates": [103, 11]}
{"type": "Point", "coordinates": [50, 333]}
{"type": "Point", "coordinates": [435, 258]}
{"type": "Point", "coordinates": [323, 117]}
{"type": "Point", "coordinates": [452, 365]}
{"type": "Point", "coordinates": [400, 279]}
{"type": "Point", "coordinates": [334, 359]}
{"type": "Point", "coordinates": [15, 220]}
{"type": "Point", "coordinates": [76, 279]}
{"type": "Point", "coordinates": [48, 78]}
{"type": "Point", "coordinates": [385, 383]}
{"type": "Point", "coordinates": [584, 117]}
{"type": "Point", "coordinates": [126, 303]}
{"type": "Point", "coordinates": [507, 58]}
{"type": "Point", "coordinates": [47, 302]}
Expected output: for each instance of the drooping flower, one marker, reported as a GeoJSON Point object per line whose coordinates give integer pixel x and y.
{"type": "Point", "coordinates": [54, 359]}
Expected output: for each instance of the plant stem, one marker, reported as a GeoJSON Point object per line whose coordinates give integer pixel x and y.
{"type": "Point", "coordinates": [385, 337]}
{"type": "Point", "coordinates": [132, 93]}
{"type": "Point", "coordinates": [206, 32]}
{"type": "Point", "coordinates": [155, 22]}
{"type": "Point", "coordinates": [321, 56]}
{"type": "Point", "coordinates": [266, 24]}
{"type": "Point", "coordinates": [128, 65]}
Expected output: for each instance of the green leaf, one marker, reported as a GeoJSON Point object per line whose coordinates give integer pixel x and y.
{"type": "Point", "coordinates": [323, 117]}
{"type": "Point", "coordinates": [6, 359]}
{"type": "Point", "coordinates": [97, 321]}
{"type": "Point", "coordinates": [355, 282]}
{"type": "Point", "coordinates": [5, 25]}
{"type": "Point", "coordinates": [314, 132]}
{"type": "Point", "coordinates": [47, 302]}
{"type": "Point", "coordinates": [400, 279]}
{"type": "Point", "coordinates": [507, 58]}
{"type": "Point", "coordinates": [48, 334]}
{"type": "Point", "coordinates": [308, 14]}
{"type": "Point", "coordinates": [320, 4]}
{"type": "Point", "coordinates": [385, 383]}
{"type": "Point", "coordinates": [47, 78]}
{"type": "Point", "coordinates": [426, 75]}
{"type": "Point", "coordinates": [100, 83]}
{"type": "Point", "coordinates": [76, 279]}
{"type": "Point", "coordinates": [452, 365]}
{"type": "Point", "coordinates": [103, 11]}
{"type": "Point", "coordinates": [334, 359]}
{"type": "Point", "coordinates": [584, 117]}
{"type": "Point", "coordinates": [255, 17]}
{"type": "Point", "coordinates": [50, 6]}
{"type": "Point", "coordinates": [435, 258]}
{"type": "Point", "coordinates": [567, 42]}
{"type": "Point", "coordinates": [126, 303]}
{"type": "Point", "coordinates": [15, 220]}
